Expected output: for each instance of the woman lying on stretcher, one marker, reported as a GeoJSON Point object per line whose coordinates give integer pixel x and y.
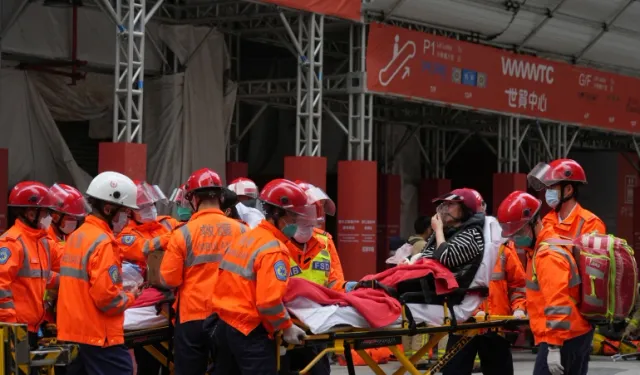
{"type": "Point", "coordinates": [458, 240]}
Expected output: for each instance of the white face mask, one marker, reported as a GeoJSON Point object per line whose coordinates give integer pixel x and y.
{"type": "Point", "coordinates": [68, 226]}
{"type": "Point", "coordinates": [146, 214]}
{"type": "Point", "coordinates": [303, 234]}
{"type": "Point", "coordinates": [119, 222]}
{"type": "Point", "coordinates": [45, 222]}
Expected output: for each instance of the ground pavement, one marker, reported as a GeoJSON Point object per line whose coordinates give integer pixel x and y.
{"type": "Point", "coordinates": [523, 364]}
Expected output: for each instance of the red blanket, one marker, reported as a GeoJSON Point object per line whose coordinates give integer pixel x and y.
{"type": "Point", "coordinates": [379, 309]}
{"type": "Point", "coordinates": [148, 297]}
{"type": "Point", "coordinates": [444, 279]}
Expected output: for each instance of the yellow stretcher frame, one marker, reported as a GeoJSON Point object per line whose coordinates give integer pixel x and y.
{"type": "Point", "coordinates": [342, 341]}
{"type": "Point", "coordinates": [17, 358]}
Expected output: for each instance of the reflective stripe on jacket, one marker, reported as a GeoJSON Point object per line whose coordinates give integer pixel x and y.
{"type": "Point", "coordinates": [553, 293]}
{"type": "Point", "coordinates": [252, 280]}
{"type": "Point", "coordinates": [192, 256]}
{"type": "Point", "coordinates": [27, 258]}
{"type": "Point", "coordinates": [91, 301]}
{"type": "Point", "coordinates": [507, 291]}
{"type": "Point", "coordinates": [579, 222]}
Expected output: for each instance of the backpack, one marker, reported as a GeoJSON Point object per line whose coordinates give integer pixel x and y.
{"type": "Point", "coordinates": [608, 274]}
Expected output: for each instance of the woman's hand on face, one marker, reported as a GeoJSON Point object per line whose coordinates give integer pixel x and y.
{"type": "Point", "coordinates": [436, 222]}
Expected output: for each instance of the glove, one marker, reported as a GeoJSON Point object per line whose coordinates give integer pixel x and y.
{"type": "Point", "coordinates": [553, 362]}
{"type": "Point", "coordinates": [294, 335]}
{"type": "Point", "coordinates": [519, 314]}
{"type": "Point", "coordinates": [350, 285]}
{"type": "Point", "coordinates": [632, 329]}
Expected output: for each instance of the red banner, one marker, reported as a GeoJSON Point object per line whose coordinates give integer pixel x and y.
{"type": "Point", "coordinates": [348, 9]}
{"type": "Point", "coordinates": [439, 69]}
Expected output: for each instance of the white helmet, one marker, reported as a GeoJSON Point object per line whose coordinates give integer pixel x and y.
{"type": "Point", "coordinates": [115, 188]}
{"type": "Point", "coordinates": [244, 186]}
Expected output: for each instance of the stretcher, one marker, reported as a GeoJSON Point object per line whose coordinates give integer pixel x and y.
{"type": "Point", "coordinates": [149, 332]}
{"type": "Point", "coordinates": [17, 358]}
{"type": "Point", "coordinates": [339, 329]}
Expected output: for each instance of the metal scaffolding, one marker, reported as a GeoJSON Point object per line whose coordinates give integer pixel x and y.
{"type": "Point", "coordinates": [360, 128]}
{"type": "Point", "coordinates": [130, 18]}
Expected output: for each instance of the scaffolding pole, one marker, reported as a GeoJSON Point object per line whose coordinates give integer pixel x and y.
{"type": "Point", "coordinates": [310, 45]}
{"type": "Point", "coordinates": [233, 133]}
{"type": "Point", "coordinates": [510, 139]}
{"type": "Point", "coordinates": [360, 129]}
{"type": "Point", "coordinates": [130, 17]}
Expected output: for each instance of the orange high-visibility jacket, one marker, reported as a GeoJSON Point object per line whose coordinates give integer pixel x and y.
{"type": "Point", "coordinates": [27, 258]}
{"type": "Point", "coordinates": [91, 301]}
{"type": "Point", "coordinates": [579, 221]}
{"type": "Point", "coordinates": [192, 256]}
{"type": "Point", "coordinates": [251, 281]}
{"type": "Point", "coordinates": [553, 292]}
{"type": "Point", "coordinates": [507, 290]}
{"type": "Point", "coordinates": [303, 258]}
{"type": "Point", "coordinates": [134, 238]}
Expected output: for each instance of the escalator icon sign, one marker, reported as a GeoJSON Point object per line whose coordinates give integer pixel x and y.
{"type": "Point", "coordinates": [398, 63]}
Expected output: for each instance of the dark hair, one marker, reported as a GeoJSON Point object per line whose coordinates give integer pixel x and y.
{"type": "Point", "coordinates": [422, 224]}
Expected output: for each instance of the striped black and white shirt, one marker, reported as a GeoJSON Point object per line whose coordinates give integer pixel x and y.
{"type": "Point", "coordinates": [460, 249]}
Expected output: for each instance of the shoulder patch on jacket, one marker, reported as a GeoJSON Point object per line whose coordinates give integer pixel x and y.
{"type": "Point", "coordinates": [5, 254]}
{"type": "Point", "coordinates": [280, 270]}
{"type": "Point", "coordinates": [114, 274]}
{"type": "Point", "coordinates": [128, 240]}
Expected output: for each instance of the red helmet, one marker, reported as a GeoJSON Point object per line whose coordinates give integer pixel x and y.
{"type": "Point", "coordinates": [244, 186]}
{"type": "Point", "coordinates": [290, 197]}
{"type": "Point", "coordinates": [317, 196]}
{"type": "Point", "coordinates": [202, 179]}
{"type": "Point", "coordinates": [516, 211]}
{"type": "Point", "coordinates": [480, 201]}
{"type": "Point", "coordinates": [29, 194]}
{"type": "Point", "coordinates": [546, 175]}
{"type": "Point", "coordinates": [467, 197]}
{"type": "Point", "coordinates": [68, 200]}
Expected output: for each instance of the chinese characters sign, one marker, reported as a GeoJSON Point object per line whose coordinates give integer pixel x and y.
{"type": "Point", "coordinates": [443, 70]}
{"type": "Point", "coordinates": [348, 9]}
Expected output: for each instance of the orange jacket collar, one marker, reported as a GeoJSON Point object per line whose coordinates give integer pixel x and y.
{"type": "Point", "coordinates": [147, 227]}
{"type": "Point", "coordinates": [206, 212]}
{"type": "Point", "coordinates": [24, 228]}
{"type": "Point", "coordinates": [97, 222]}
{"type": "Point", "coordinates": [275, 231]}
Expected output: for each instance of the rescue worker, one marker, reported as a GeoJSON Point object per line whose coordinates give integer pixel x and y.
{"type": "Point", "coordinates": [192, 256]}
{"type": "Point", "coordinates": [91, 299]}
{"type": "Point", "coordinates": [144, 225]}
{"type": "Point", "coordinates": [247, 192]}
{"type": "Point", "coordinates": [26, 264]}
{"type": "Point", "coordinates": [561, 180]}
{"type": "Point", "coordinates": [564, 336]}
{"type": "Point", "coordinates": [183, 210]}
{"type": "Point", "coordinates": [68, 210]}
{"type": "Point", "coordinates": [251, 282]}
{"type": "Point", "coordinates": [313, 257]}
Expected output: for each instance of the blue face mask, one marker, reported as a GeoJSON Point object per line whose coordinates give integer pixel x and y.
{"type": "Point", "coordinates": [552, 198]}
{"type": "Point", "coordinates": [523, 241]}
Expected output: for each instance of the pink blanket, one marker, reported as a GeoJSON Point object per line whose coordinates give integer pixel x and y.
{"type": "Point", "coordinates": [149, 297]}
{"type": "Point", "coordinates": [444, 279]}
{"type": "Point", "coordinates": [374, 305]}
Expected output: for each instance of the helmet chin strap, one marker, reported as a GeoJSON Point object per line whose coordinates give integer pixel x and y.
{"type": "Point", "coordinates": [32, 223]}
{"type": "Point", "coordinates": [562, 198]}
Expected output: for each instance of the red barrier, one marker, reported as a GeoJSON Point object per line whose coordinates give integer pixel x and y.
{"type": "Point", "coordinates": [129, 159]}
{"type": "Point", "coordinates": [506, 183]}
{"type": "Point", "coordinates": [389, 204]}
{"type": "Point", "coordinates": [357, 211]}
{"type": "Point", "coordinates": [236, 169]}
{"type": "Point", "coordinates": [4, 188]}
{"type": "Point", "coordinates": [348, 9]}
{"type": "Point", "coordinates": [309, 169]}
{"type": "Point", "coordinates": [443, 70]}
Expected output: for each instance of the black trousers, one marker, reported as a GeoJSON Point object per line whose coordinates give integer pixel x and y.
{"type": "Point", "coordinates": [96, 360]}
{"type": "Point", "coordinates": [494, 352]}
{"type": "Point", "coordinates": [297, 359]}
{"type": "Point", "coordinates": [574, 356]}
{"type": "Point", "coordinates": [190, 348]}
{"type": "Point", "coordinates": [235, 353]}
